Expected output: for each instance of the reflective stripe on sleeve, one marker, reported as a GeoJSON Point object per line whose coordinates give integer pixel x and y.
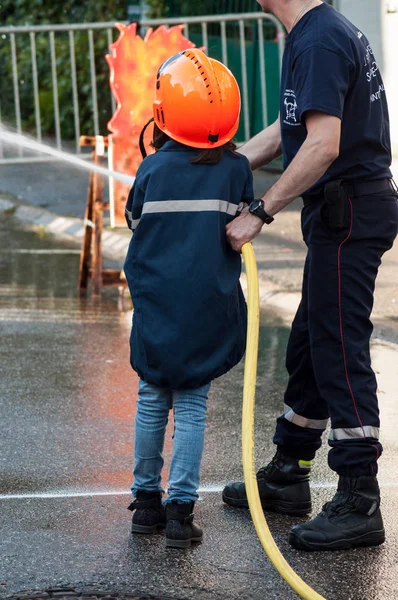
{"type": "Point", "coordinates": [133, 222]}
{"type": "Point", "coordinates": [301, 421]}
{"type": "Point", "coordinates": [350, 433]}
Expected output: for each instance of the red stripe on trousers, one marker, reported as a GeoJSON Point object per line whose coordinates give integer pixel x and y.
{"type": "Point", "coordinates": [341, 319]}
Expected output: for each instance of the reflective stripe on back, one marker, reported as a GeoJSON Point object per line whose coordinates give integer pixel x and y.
{"type": "Point", "coordinates": [172, 206]}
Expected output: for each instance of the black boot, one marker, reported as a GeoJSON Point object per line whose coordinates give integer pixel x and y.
{"type": "Point", "coordinates": [351, 519]}
{"type": "Point", "coordinates": [181, 529]}
{"type": "Point", "coordinates": [149, 512]}
{"type": "Point", "coordinates": [283, 486]}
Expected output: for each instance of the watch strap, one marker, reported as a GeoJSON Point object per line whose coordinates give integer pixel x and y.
{"type": "Point", "coordinates": [257, 208]}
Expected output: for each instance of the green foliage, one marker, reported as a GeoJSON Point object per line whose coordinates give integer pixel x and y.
{"type": "Point", "coordinates": [38, 12]}
{"type": "Point", "coordinates": [189, 8]}
{"type": "Point", "coordinates": [156, 9]}
{"type": "Point", "coordinates": [209, 7]}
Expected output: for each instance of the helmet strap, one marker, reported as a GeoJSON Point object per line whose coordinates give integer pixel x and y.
{"type": "Point", "coordinates": [142, 145]}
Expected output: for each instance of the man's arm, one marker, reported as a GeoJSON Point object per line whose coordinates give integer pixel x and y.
{"type": "Point", "coordinates": [318, 152]}
{"type": "Point", "coordinates": [264, 147]}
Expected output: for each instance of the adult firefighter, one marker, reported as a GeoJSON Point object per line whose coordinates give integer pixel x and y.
{"type": "Point", "coordinates": [333, 132]}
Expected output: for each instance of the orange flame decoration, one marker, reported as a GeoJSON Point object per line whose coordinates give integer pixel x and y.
{"type": "Point", "coordinates": [133, 63]}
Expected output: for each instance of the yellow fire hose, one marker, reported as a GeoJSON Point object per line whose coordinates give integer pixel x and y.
{"type": "Point", "coordinates": [249, 470]}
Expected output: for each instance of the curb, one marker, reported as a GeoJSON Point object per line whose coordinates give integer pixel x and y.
{"type": "Point", "coordinates": [114, 244]}
{"type": "Point", "coordinates": [115, 247]}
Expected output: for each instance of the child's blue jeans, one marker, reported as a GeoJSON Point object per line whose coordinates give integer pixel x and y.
{"type": "Point", "coordinates": [153, 408]}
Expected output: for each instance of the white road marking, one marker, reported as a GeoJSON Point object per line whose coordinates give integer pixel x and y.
{"type": "Point", "coordinates": [76, 494]}
{"type": "Point", "coordinates": [62, 494]}
{"type": "Point", "coordinates": [333, 485]}
{"type": "Point", "coordinates": [207, 489]}
{"type": "Point", "coordinates": [40, 251]}
{"type": "Point", "coordinates": [31, 315]}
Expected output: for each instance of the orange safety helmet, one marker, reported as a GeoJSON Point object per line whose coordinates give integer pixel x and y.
{"type": "Point", "coordinates": [197, 100]}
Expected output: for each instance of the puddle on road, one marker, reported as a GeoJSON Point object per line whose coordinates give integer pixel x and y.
{"type": "Point", "coordinates": [39, 275]}
{"type": "Point", "coordinates": [33, 274]}
{"type": "Point", "coordinates": [69, 392]}
{"type": "Point", "coordinates": [68, 403]}
{"type": "Point", "coordinates": [68, 358]}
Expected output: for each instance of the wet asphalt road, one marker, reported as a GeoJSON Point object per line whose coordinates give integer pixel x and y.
{"type": "Point", "coordinates": [66, 441]}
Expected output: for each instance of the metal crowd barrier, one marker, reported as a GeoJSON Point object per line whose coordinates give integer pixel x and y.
{"type": "Point", "coordinates": [10, 35]}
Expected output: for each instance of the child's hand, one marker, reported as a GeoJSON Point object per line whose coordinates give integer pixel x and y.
{"type": "Point", "coordinates": [243, 229]}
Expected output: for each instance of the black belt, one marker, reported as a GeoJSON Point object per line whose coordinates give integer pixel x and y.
{"type": "Point", "coordinates": [357, 188]}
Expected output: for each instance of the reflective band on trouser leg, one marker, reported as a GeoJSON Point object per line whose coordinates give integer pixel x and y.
{"type": "Point", "coordinates": [301, 421]}
{"type": "Point", "coordinates": [350, 433]}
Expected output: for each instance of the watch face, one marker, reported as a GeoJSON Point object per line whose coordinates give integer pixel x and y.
{"type": "Point", "coordinates": [256, 205]}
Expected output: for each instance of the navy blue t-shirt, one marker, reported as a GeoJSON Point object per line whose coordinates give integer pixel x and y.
{"type": "Point", "coordinates": [329, 66]}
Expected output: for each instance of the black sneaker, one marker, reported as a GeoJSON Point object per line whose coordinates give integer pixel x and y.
{"type": "Point", "coordinates": [351, 519]}
{"type": "Point", "coordinates": [149, 512]}
{"type": "Point", "coordinates": [181, 529]}
{"type": "Point", "coordinates": [283, 486]}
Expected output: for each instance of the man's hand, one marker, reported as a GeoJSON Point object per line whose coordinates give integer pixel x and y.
{"type": "Point", "coordinates": [243, 229]}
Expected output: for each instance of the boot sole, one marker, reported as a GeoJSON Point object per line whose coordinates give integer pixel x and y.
{"type": "Point", "coordinates": [146, 528]}
{"type": "Point", "coordinates": [182, 543]}
{"type": "Point", "coordinates": [376, 538]}
{"type": "Point", "coordinates": [285, 508]}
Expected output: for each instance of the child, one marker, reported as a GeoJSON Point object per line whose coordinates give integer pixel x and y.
{"type": "Point", "coordinates": [189, 323]}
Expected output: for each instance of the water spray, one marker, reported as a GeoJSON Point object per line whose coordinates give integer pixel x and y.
{"type": "Point", "coordinates": [23, 141]}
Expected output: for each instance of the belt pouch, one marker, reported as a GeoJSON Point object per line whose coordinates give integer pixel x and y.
{"type": "Point", "coordinates": [336, 209]}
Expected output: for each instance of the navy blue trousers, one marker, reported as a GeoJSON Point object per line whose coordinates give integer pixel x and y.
{"type": "Point", "coordinates": [328, 358]}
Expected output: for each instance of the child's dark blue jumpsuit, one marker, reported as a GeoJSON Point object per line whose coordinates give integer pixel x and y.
{"type": "Point", "coordinates": [189, 322]}
{"type": "Point", "coordinates": [329, 67]}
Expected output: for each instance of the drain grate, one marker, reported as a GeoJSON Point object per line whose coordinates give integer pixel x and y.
{"type": "Point", "coordinates": [71, 594]}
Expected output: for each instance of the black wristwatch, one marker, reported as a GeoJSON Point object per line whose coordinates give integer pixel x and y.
{"type": "Point", "coordinates": [257, 208]}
